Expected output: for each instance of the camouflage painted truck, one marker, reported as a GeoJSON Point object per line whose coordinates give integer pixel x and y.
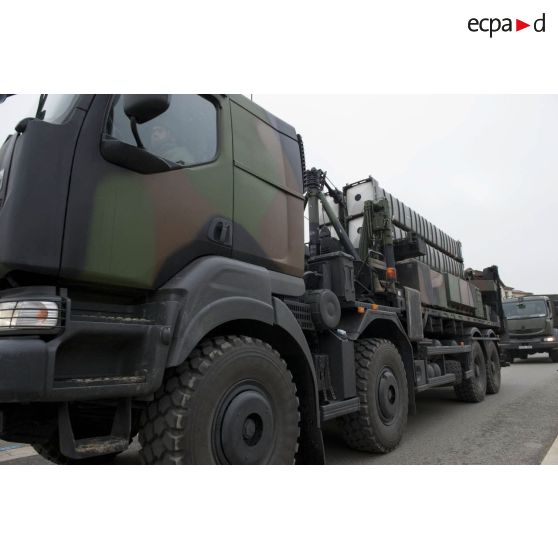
{"type": "Point", "coordinates": [532, 324]}
{"type": "Point", "coordinates": [155, 281]}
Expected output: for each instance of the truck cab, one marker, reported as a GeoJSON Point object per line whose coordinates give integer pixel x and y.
{"type": "Point", "coordinates": [132, 227]}
{"type": "Point", "coordinates": [531, 327]}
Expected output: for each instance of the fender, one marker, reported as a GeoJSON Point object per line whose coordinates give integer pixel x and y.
{"type": "Point", "coordinates": [489, 333]}
{"type": "Point", "coordinates": [192, 326]}
{"type": "Point", "coordinates": [472, 332]}
{"type": "Point", "coordinates": [216, 290]}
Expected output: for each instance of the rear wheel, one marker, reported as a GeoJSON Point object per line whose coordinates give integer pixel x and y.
{"type": "Point", "coordinates": [382, 388]}
{"type": "Point", "coordinates": [473, 390]}
{"type": "Point", "coordinates": [493, 369]}
{"type": "Point", "coordinates": [232, 402]}
{"type": "Point", "coordinates": [554, 355]}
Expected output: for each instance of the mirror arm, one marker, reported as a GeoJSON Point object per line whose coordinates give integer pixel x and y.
{"type": "Point", "coordinates": [134, 125]}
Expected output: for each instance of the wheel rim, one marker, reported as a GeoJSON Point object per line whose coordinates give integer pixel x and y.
{"type": "Point", "coordinates": [388, 396]}
{"type": "Point", "coordinates": [478, 366]}
{"type": "Point", "coordinates": [481, 370]}
{"type": "Point", "coordinates": [244, 429]}
{"type": "Point", "coordinates": [477, 369]}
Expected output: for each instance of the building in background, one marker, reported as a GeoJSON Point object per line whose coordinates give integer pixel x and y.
{"type": "Point", "coordinates": [511, 292]}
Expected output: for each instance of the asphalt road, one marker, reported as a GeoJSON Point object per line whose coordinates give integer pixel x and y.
{"type": "Point", "coordinates": [516, 426]}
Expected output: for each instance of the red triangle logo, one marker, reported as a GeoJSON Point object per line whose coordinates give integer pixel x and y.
{"type": "Point", "coordinates": [519, 25]}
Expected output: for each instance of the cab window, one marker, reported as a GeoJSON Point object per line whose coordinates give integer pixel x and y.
{"type": "Point", "coordinates": [56, 108]}
{"type": "Point", "coordinates": [185, 134]}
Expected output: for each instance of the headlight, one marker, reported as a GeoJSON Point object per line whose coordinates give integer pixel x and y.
{"type": "Point", "coordinates": [28, 314]}
{"type": "Point", "coordinates": [548, 339]}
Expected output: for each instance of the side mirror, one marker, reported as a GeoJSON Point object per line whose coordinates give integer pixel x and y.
{"type": "Point", "coordinates": [145, 107]}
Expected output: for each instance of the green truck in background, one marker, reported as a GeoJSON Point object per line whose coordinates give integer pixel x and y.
{"type": "Point", "coordinates": [532, 323]}
{"type": "Point", "coordinates": [154, 280]}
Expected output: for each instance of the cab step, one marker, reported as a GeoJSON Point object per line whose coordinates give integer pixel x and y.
{"type": "Point", "coordinates": [116, 442]}
{"type": "Point", "coordinates": [102, 445]}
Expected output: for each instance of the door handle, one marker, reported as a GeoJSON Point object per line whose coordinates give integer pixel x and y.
{"type": "Point", "coordinates": [220, 230]}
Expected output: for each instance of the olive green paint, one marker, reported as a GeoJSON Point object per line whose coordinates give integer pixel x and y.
{"type": "Point", "coordinates": [123, 229]}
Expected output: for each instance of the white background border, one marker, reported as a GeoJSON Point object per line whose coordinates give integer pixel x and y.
{"type": "Point", "coordinates": [277, 47]}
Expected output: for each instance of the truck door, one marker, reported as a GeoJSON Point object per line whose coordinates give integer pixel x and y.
{"type": "Point", "coordinates": [268, 200]}
{"type": "Point", "coordinates": [138, 215]}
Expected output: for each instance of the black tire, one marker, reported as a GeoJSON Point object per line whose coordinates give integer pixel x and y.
{"type": "Point", "coordinates": [453, 367]}
{"type": "Point", "coordinates": [473, 390]}
{"type": "Point", "coordinates": [553, 355]}
{"type": "Point", "coordinates": [493, 369]}
{"type": "Point", "coordinates": [384, 401]}
{"type": "Point", "coordinates": [232, 402]}
{"type": "Point", "coordinates": [50, 450]}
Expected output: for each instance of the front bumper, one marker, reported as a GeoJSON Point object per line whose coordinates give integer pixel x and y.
{"type": "Point", "coordinates": [94, 355]}
{"type": "Point", "coordinates": [528, 346]}
{"type": "Point", "coordinates": [23, 369]}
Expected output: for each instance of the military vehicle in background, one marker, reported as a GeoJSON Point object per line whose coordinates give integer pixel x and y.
{"type": "Point", "coordinates": [154, 279]}
{"type": "Point", "coordinates": [532, 326]}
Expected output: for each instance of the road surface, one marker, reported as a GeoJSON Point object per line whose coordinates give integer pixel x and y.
{"type": "Point", "coordinates": [516, 426]}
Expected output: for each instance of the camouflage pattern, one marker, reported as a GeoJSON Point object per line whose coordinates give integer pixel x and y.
{"type": "Point", "coordinates": [138, 230]}
{"type": "Point", "coordinates": [268, 201]}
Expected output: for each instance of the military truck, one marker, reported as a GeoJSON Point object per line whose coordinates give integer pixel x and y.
{"type": "Point", "coordinates": [532, 327]}
{"type": "Point", "coordinates": [155, 280]}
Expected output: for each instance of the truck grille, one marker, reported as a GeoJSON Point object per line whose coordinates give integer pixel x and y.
{"type": "Point", "coordinates": [527, 332]}
{"type": "Point", "coordinates": [301, 312]}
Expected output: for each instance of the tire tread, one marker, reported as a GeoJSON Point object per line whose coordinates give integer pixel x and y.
{"type": "Point", "coordinates": [163, 423]}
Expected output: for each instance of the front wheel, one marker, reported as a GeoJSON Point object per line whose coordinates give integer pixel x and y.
{"type": "Point", "coordinates": [382, 388]}
{"type": "Point", "coordinates": [554, 355]}
{"type": "Point", "coordinates": [232, 402]}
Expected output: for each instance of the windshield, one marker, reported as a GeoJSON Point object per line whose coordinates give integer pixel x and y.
{"type": "Point", "coordinates": [51, 108]}
{"type": "Point", "coordinates": [525, 309]}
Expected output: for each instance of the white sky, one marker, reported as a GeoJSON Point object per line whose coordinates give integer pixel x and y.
{"type": "Point", "coordinates": [11, 111]}
{"type": "Point", "coordinates": [481, 168]}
